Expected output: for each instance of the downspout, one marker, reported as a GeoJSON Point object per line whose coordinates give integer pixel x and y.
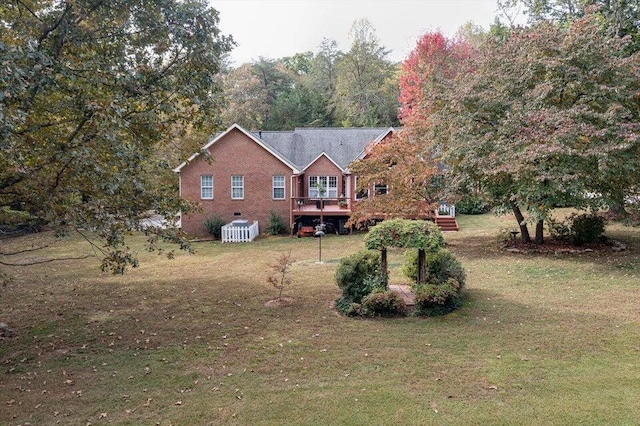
{"type": "Point", "coordinates": [291, 202]}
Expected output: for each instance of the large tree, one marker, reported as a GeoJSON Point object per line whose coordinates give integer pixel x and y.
{"type": "Point", "coordinates": [88, 90]}
{"type": "Point", "coordinates": [620, 17]}
{"type": "Point", "coordinates": [550, 116]}
{"type": "Point", "coordinates": [247, 98]}
{"type": "Point", "coordinates": [366, 83]}
{"type": "Point", "coordinates": [426, 74]}
{"type": "Point", "coordinates": [323, 74]}
{"type": "Point", "coordinates": [274, 94]}
{"type": "Point", "coordinates": [408, 163]}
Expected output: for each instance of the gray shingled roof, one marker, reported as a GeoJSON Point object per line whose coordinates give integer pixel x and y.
{"type": "Point", "coordinates": [303, 145]}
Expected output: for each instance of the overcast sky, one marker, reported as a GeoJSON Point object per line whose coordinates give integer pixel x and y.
{"type": "Point", "coordinates": [277, 28]}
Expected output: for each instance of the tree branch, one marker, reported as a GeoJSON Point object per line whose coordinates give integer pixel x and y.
{"type": "Point", "coordinates": [38, 262]}
{"type": "Point", "coordinates": [13, 253]}
{"type": "Point", "coordinates": [29, 10]}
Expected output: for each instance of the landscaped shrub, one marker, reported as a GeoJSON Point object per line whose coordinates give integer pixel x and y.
{"type": "Point", "coordinates": [440, 266]}
{"type": "Point", "coordinates": [17, 221]}
{"type": "Point", "coordinates": [357, 275]}
{"type": "Point", "coordinates": [214, 226]}
{"type": "Point", "coordinates": [383, 304]}
{"type": "Point", "coordinates": [472, 204]}
{"type": "Point", "coordinates": [560, 230]}
{"type": "Point", "coordinates": [276, 225]}
{"type": "Point", "coordinates": [586, 228]}
{"type": "Point", "coordinates": [578, 229]}
{"type": "Point", "coordinates": [438, 299]}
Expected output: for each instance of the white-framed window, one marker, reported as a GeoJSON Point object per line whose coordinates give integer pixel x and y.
{"type": "Point", "coordinates": [278, 188]}
{"type": "Point", "coordinates": [363, 193]}
{"type": "Point", "coordinates": [380, 189]}
{"type": "Point", "coordinates": [206, 187]}
{"type": "Point", "coordinates": [329, 183]}
{"type": "Point", "coordinates": [237, 187]}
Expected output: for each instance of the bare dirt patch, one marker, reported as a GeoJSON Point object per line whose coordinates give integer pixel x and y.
{"type": "Point", "coordinates": [275, 303]}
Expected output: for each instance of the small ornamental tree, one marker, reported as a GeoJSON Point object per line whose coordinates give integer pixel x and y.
{"type": "Point", "coordinates": [421, 235]}
{"type": "Point", "coordinates": [279, 277]}
{"type": "Point", "coordinates": [408, 171]}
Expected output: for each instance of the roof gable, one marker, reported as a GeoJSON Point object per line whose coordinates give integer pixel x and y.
{"type": "Point", "coordinates": [374, 142]}
{"type": "Point", "coordinates": [323, 154]}
{"type": "Point", "coordinates": [251, 136]}
{"type": "Point", "coordinates": [303, 146]}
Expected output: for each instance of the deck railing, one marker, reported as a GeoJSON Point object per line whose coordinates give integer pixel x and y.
{"type": "Point", "coordinates": [299, 203]}
{"type": "Point", "coordinates": [239, 233]}
{"type": "Point", "coordinates": [447, 210]}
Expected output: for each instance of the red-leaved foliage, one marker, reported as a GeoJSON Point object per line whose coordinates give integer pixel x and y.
{"type": "Point", "coordinates": [435, 60]}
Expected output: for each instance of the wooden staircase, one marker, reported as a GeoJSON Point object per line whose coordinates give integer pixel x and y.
{"type": "Point", "coordinates": [446, 223]}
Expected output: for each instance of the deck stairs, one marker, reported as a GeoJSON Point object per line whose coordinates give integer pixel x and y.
{"type": "Point", "coordinates": [447, 223]}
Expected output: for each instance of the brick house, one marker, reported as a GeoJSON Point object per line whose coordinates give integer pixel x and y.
{"type": "Point", "coordinates": [255, 173]}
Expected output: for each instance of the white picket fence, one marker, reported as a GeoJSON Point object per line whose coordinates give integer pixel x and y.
{"type": "Point", "coordinates": [447, 210]}
{"type": "Point", "coordinates": [239, 232]}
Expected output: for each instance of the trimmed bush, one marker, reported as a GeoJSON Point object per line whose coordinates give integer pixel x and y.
{"type": "Point", "coordinates": [472, 204]}
{"type": "Point", "coordinates": [586, 228]}
{"type": "Point", "coordinates": [383, 304]}
{"type": "Point", "coordinates": [438, 299]}
{"type": "Point", "coordinates": [560, 230]}
{"type": "Point", "coordinates": [440, 266]}
{"type": "Point", "coordinates": [357, 276]}
{"type": "Point", "coordinates": [214, 226]}
{"type": "Point", "coordinates": [276, 225]}
{"type": "Point", "coordinates": [578, 229]}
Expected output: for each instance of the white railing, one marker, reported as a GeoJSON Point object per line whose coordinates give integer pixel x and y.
{"type": "Point", "coordinates": [235, 232]}
{"type": "Point", "coordinates": [447, 210]}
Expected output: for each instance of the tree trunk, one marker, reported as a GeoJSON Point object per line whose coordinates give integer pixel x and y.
{"type": "Point", "coordinates": [539, 232]}
{"type": "Point", "coordinates": [421, 266]}
{"type": "Point", "coordinates": [524, 231]}
{"type": "Point", "coordinates": [383, 268]}
{"type": "Point", "coordinates": [616, 204]}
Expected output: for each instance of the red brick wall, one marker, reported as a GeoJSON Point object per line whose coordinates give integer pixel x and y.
{"type": "Point", "coordinates": [322, 167]}
{"type": "Point", "coordinates": [235, 154]}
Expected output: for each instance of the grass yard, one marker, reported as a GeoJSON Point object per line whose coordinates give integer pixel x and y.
{"type": "Point", "coordinates": [541, 339]}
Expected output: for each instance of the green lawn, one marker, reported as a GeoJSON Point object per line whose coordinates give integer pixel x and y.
{"type": "Point", "coordinates": [541, 339]}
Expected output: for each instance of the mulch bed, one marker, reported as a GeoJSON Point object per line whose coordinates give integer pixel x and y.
{"type": "Point", "coordinates": [552, 246]}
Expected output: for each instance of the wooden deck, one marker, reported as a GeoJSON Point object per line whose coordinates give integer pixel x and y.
{"type": "Point", "coordinates": [444, 217]}
{"type": "Point", "coordinates": [328, 209]}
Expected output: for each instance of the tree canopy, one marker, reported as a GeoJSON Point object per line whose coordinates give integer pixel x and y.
{"type": "Point", "coordinates": [407, 171]}
{"type": "Point", "coordinates": [547, 117]}
{"type": "Point", "coordinates": [366, 86]}
{"type": "Point", "coordinates": [408, 163]}
{"type": "Point", "coordinates": [89, 91]}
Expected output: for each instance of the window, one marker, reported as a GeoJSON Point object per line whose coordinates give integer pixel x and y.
{"type": "Point", "coordinates": [363, 193]}
{"type": "Point", "coordinates": [329, 183]}
{"type": "Point", "coordinates": [206, 187]}
{"type": "Point", "coordinates": [278, 188]}
{"type": "Point", "coordinates": [237, 187]}
{"type": "Point", "coordinates": [380, 189]}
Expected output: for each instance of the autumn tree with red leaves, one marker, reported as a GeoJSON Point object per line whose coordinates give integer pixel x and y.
{"type": "Point", "coordinates": [430, 67]}
{"type": "Point", "coordinates": [408, 162]}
